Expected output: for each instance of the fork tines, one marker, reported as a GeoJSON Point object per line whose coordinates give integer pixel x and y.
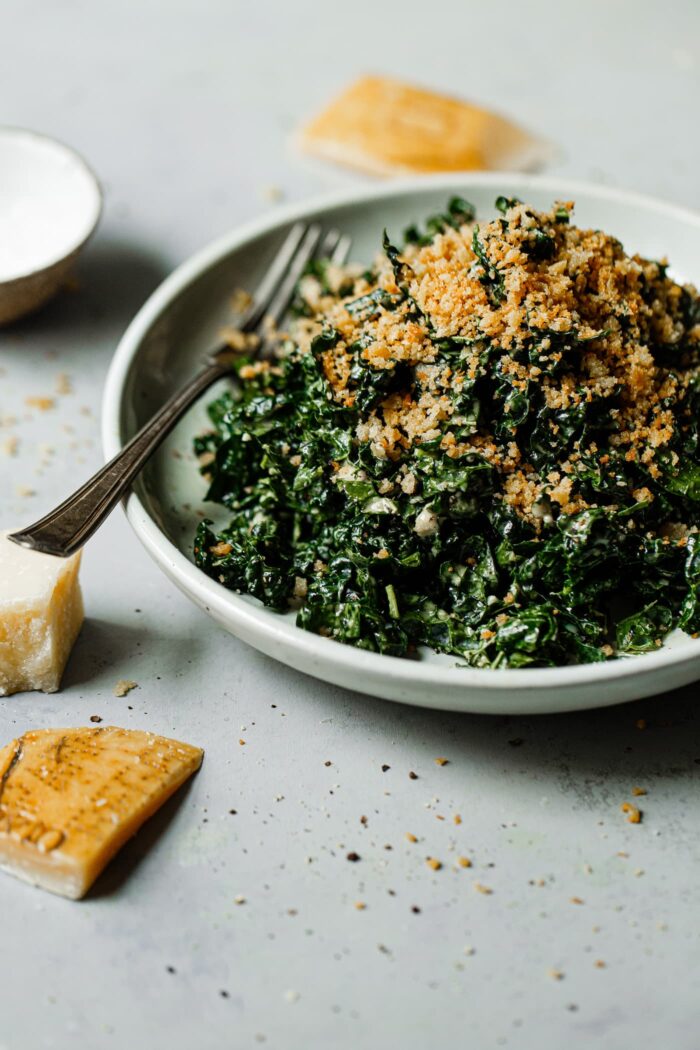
{"type": "Point", "coordinates": [304, 242]}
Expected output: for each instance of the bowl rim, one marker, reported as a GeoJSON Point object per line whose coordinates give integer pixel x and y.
{"type": "Point", "coordinates": [252, 618]}
{"type": "Point", "coordinates": [13, 131]}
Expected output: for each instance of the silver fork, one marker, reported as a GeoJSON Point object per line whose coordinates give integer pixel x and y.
{"type": "Point", "coordinates": [67, 528]}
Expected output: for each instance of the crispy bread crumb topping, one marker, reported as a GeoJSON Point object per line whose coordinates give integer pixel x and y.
{"type": "Point", "coordinates": [549, 313]}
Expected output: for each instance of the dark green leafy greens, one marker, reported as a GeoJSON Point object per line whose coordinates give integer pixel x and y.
{"type": "Point", "coordinates": [389, 552]}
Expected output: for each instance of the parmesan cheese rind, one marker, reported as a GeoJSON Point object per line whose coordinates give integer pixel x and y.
{"type": "Point", "coordinates": [41, 613]}
{"type": "Point", "coordinates": [71, 798]}
{"type": "Point", "coordinates": [386, 127]}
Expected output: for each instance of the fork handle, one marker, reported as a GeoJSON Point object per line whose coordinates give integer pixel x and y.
{"type": "Point", "coordinates": [67, 528]}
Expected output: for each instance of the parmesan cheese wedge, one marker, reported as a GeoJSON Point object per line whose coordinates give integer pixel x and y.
{"type": "Point", "coordinates": [41, 613]}
{"type": "Point", "coordinates": [386, 127]}
{"type": "Point", "coordinates": [70, 799]}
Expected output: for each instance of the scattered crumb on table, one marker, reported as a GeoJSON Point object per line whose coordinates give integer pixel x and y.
{"type": "Point", "coordinates": [124, 687]}
{"type": "Point", "coordinates": [44, 404]}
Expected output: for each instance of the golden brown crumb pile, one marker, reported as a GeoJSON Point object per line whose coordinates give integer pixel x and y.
{"type": "Point", "coordinates": [586, 292]}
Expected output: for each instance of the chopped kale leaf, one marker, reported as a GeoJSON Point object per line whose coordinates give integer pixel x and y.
{"type": "Point", "coordinates": [488, 444]}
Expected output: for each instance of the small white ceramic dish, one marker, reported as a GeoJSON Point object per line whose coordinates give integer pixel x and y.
{"type": "Point", "coordinates": [50, 203]}
{"type": "Point", "coordinates": [171, 333]}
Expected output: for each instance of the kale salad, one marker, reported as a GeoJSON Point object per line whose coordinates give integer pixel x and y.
{"type": "Point", "coordinates": [488, 444]}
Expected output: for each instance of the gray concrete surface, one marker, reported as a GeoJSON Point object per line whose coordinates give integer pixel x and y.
{"type": "Point", "coordinates": [184, 110]}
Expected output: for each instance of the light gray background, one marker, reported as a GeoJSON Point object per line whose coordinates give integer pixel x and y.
{"type": "Point", "coordinates": [185, 111]}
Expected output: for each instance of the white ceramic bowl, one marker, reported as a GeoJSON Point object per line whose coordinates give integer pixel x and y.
{"type": "Point", "coordinates": [171, 333]}
{"type": "Point", "coordinates": [50, 203]}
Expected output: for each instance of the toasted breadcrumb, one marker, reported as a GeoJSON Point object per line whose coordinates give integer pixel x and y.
{"type": "Point", "coordinates": [42, 403]}
{"type": "Point", "coordinates": [124, 687]}
{"type": "Point", "coordinates": [241, 300]}
{"type": "Point", "coordinates": [220, 550]}
{"type": "Point", "coordinates": [272, 194]}
{"type": "Point", "coordinates": [238, 340]}
{"type": "Point", "coordinates": [634, 814]}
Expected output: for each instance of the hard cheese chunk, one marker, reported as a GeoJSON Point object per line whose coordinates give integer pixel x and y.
{"type": "Point", "coordinates": [41, 613]}
{"type": "Point", "coordinates": [70, 799]}
{"type": "Point", "coordinates": [387, 128]}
